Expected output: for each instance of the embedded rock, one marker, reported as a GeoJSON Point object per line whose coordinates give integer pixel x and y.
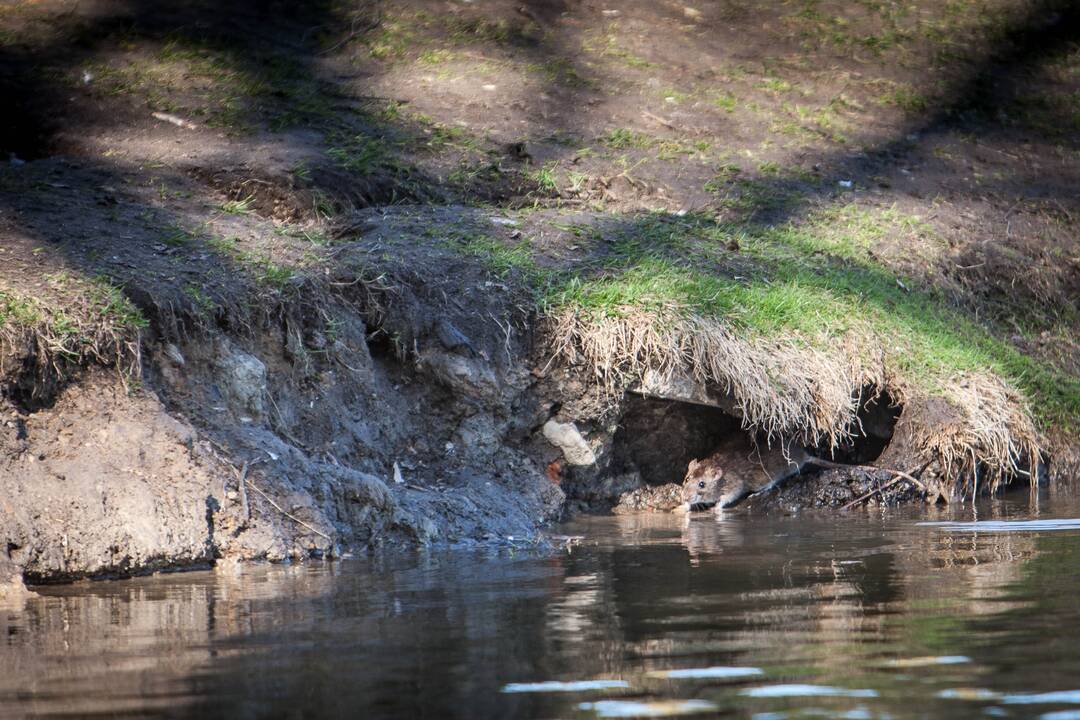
{"type": "Point", "coordinates": [568, 438]}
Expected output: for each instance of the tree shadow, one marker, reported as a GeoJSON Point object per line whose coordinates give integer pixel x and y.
{"type": "Point", "coordinates": [344, 149]}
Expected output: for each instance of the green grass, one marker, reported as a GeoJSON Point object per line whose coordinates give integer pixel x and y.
{"type": "Point", "coordinates": [544, 177]}
{"type": "Point", "coordinates": [750, 197]}
{"type": "Point", "coordinates": [726, 102]}
{"type": "Point", "coordinates": [905, 97]}
{"type": "Point", "coordinates": [559, 70]}
{"type": "Point", "coordinates": [269, 273]}
{"type": "Point", "coordinates": [665, 149]}
{"type": "Point", "coordinates": [110, 303]}
{"type": "Point", "coordinates": [358, 153]}
{"type": "Point", "coordinates": [776, 85]}
{"type": "Point", "coordinates": [608, 45]}
{"type": "Point", "coordinates": [500, 257]}
{"type": "Point", "coordinates": [624, 139]}
{"type": "Point", "coordinates": [436, 57]}
{"type": "Point", "coordinates": [18, 312]}
{"type": "Point", "coordinates": [96, 310]}
{"type": "Point", "coordinates": [241, 206]}
{"type": "Point", "coordinates": [202, 301]}
{"type": "Point", "coordinates": [816, 282]}
{"type": "Point", "coordinates": [178, 237]}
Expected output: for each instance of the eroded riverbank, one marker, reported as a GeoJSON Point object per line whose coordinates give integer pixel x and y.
{"type": "Point", "coordinates": [293, 282]}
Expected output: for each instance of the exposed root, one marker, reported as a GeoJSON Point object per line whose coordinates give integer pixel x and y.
{"type": "Point", "coordinates": [41, 346]}
{"type": "Point", "coordinates": [900, 476]}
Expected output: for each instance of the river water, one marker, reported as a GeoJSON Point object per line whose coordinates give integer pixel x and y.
{"type": "Point", "coordinates": [857, 616]}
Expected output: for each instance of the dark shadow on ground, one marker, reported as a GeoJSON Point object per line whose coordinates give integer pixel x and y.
{"type": "Point", "coordinates": [280, 49]}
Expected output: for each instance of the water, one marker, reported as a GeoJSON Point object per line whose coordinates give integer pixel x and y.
{"type": "Point", "coordinates": [655, 616]}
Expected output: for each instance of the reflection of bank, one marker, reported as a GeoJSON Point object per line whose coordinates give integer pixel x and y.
{"type": "Point", "coordinates": [413, 634]}
{"type": "Point", "coordinates": [977, 569]}
{"type": "Point", "coordinates": [143, 645]}
{"type": "Point", "coordinates": [823, 597]}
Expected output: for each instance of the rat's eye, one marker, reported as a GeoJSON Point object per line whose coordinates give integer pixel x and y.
{"type": "Point", "coordinates": [701, 484]}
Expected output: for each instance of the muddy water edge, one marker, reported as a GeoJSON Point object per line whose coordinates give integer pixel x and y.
{"type": "Point", "coordinates": [970, 613]}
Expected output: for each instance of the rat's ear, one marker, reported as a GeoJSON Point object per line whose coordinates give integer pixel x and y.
{"type": "Point", "coordinates": [693, 466]}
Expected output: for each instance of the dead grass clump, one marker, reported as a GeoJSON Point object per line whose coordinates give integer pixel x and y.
{"type": "Point", "coordinates": [989, 438]}
{"type": "Point", "coordinates": [784, 387]}
{"type": "Point", "coordinates": [41, 345]}
{"type": "Point", "coordinates": [788, 388]}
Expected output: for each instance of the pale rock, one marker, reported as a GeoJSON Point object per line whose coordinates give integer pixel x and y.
{"type": "Point", "coordinates": [568, 438]}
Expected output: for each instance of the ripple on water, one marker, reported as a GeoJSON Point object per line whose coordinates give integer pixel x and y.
{"type": "Point", "coordinates": [1059, 697]}
{"type": "Point", "coordinates": [716, 672]}
{"type": "Point", "coordinates": [999, 526]}
{"type": "Point", "coordinates": [928, 661]}
{"type": "Point", "coordinates": [968, 694]}
{"type": "Point", "coordinates": [635, 709]}
{"type": "Point", "coordinates": [785, 691]}
{"type": "Point", "coordinates": [560, 686]}
{"type": "Point", "coordinates": [859, 713]}
{"type": "Point", "coordinates": [1063, 697]}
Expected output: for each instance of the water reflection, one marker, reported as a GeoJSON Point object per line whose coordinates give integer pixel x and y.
{"type": "Point", "coordinates": [654, 615]}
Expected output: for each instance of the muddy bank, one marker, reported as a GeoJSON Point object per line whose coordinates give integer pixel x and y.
{"type": "Point", "coordinates": [306, 433]}
{"type": "Point", "coordinates": [404, 399]}
{"type": "Point", "coordinates": [299, 283]}
{"type": "Point", "coordinates": [387, 386]}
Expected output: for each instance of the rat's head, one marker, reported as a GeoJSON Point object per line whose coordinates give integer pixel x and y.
{"type": "Point", "coordinates": [706, 485]}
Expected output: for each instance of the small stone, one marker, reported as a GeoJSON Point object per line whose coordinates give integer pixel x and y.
{"type": "Point", "coordinates": [173, 353]}
{"type": "Point", "coordinates": [450, 337]}
{"type": "Point", "coordinates": [568, 438]}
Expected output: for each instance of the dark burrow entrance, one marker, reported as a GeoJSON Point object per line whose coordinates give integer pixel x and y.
{"type": "Point", "coordinates": [877, 418]}
{"type": "Point", "coordinates": [657, 439]}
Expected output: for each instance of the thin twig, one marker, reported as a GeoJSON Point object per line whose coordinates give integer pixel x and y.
{"type": "Point", "coordinates": [291, 517]}
{"type": "Point", "coordinates": [244, 506]}
{"type": "Point", "coordinates": [900, 475]}
{"type": "Point", "coordinates": [656, 118]}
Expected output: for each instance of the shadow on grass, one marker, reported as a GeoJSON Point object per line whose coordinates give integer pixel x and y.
{"type": "Point", "coordinates": [269, 61]}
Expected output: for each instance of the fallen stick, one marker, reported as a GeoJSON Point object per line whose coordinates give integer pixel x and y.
{"type": "Point", "coordinates": [173, 119]}
{"type": "Point", "coordinates": [244, 507]}
{"type": "Point", "coordinates": [900, 475]}
{"type": "Point", "coordinates": [295, 519]}
{"type": "Point", "coordinates": [656, 118]}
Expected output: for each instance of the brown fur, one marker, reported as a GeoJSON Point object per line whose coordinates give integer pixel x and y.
{"type": "Point", "coordinates": [739, 468]}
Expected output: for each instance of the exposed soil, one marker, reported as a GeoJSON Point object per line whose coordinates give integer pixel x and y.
{"type": "Point", "coordinates": [263, 272]}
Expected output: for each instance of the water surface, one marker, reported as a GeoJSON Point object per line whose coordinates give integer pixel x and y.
{"type": "Point", "coordinates": [859, 616]}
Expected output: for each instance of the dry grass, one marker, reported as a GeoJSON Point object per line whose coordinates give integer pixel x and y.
{"type": "Point", "coordinates": [97, 325]}
{"type": "Point", "coordinates": [991, 439]}
{"type": "Point", "coordinates": [788, 388]}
